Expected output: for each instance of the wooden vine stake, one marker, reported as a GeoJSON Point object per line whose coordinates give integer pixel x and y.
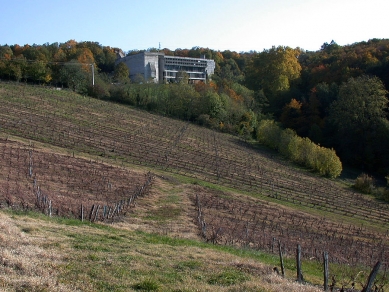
{"type": "Point", "coordinates": [300, 278]}
{"type": "Point", "coordinates": [325, 263]}
{"type": "Point", "coordinates": [371, 278]}
{"type": "Point", "coordinates": [281, 260]}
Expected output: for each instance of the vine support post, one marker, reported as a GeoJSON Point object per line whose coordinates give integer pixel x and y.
{"type": "Point", "coordinates": [325, 263]}
{"type": "Point", "coordinates": [371, 278]}
{"type": "Point", "coordinates": [281, 259]}
{"type": "Point", "coordinates": [300, 278]}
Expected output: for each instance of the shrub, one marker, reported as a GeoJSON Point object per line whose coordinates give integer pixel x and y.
{"type": "Point", "coordinates": [382, 193]}
{"type": "Point", "coordinates": [364, 183]}
{"type": "Point", "coordinates": [327, 162]}
{"type": "Point", "coordinates": [286, 145]}
{"type": "Point", "coordinates": [300, 150]}
{"type": "Point", "coordinates": [269, 133]}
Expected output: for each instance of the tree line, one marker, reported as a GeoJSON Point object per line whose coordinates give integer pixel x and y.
{"type": "Point", "coordinates": [335, 97]}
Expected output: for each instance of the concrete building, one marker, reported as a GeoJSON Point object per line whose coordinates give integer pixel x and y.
{"type": "Point", "coordinates": [159, 68]}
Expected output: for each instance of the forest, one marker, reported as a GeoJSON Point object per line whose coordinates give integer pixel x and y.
{"type": "Point", "coordinates": [322, 109]}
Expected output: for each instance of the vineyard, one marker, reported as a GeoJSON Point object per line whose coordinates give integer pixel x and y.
{"type": "Point", "coordinates": [66, 186]}
{"type": "Point", "coordinates": [280, 202]}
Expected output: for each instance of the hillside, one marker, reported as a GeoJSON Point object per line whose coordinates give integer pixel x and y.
{"type": "Point", "coordinates": [82, 158]}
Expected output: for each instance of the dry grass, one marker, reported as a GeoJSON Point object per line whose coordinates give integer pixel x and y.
{"type": "Point", "coordinates": [25, 265]}
{"type": "Point", "coordinates": [38, 254]}
{"type": "Point", "coordinates": [277, 284]}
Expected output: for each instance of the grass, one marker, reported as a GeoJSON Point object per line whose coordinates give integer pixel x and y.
{"type": "Point", "coordinates": [93, 257]}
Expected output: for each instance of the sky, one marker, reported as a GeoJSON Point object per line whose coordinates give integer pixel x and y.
{"type": "Point", "coordinates": [240, 25]}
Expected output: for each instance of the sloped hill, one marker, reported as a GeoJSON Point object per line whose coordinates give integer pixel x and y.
{"type": "Point", "coordinates": [83, 158]}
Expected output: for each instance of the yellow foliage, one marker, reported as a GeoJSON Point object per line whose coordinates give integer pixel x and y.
{"type": "Point", "coordinates": [85, 57]}
{"type": "Point", "coordinates": [48, 78]}
{"type": "Point", "coordinates": [300, 150]}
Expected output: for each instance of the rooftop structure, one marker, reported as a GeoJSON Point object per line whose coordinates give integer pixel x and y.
{"type": "Point", "coordinates": [159, 68]}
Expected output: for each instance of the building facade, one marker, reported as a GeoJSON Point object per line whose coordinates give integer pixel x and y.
{"type": "Point", "coordinates": [159, 68]}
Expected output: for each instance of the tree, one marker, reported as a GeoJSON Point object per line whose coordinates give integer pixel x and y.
{"type": "Point", "coordinates": [5, 52]}
{"type": "Point", "coordinates": [291, 116]}
{"type": "Point", "coordinates": [121, 73]}
{"type": "Point", "coordinates": [74, 77]}
{"type": "Point", "coordinates": [109, 60]}
{"type": "Point", "coordinates": [247, 124]}
{"type": "Point", "coordinates": [359, 115]}
{"type": "Point", "coordinates": [273, 70]}
{"type": "Point", "coordinates": [15, 68]}
{"type": "Point", "coordinates": [182, 77]}
{"type": "Point", "coordinates": [39, 72]}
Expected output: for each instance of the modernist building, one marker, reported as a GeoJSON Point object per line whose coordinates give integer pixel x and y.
{"type": "Point", "coordinates": [159, 68]}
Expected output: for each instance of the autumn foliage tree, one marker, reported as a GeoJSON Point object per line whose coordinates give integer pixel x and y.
{"type": "Point", "coordinates": [274, 71]}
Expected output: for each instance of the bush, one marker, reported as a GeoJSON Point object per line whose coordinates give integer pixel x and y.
{"type": "Point", "coordinates": [203, 120]}
{"type": "Point", "coordinates": [382, 194]}
{"type": "Point", "coordinates": [269, 133]}
{"type": "Point", "coordinates": [327, 162]}
{"type": "Point", "coordinates": [300, 150]}
{"type": "Point", "coordinates": [286, 145]}
{"type": "Point", "coordinates": [364, 183]}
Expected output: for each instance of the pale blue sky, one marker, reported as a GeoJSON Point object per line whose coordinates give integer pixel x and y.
{"type": "Point", "coordinates": [240, 25]}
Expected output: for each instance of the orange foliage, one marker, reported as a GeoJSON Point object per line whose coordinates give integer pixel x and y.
{"type": "Point", "coordinates": [213, 85]}
{"type": "Point", "coordinates": [200, 87]}
{"type": "Point", "coordinates": [231, 93]}
{"type": "Point", "coordinates": [18, 50]}
{"type": "Point", "coordinates": [181, 52]}
{"type": "Point", "coordinates": [294, 104]}
{"type": "Point", "coordinates": [85, 56]}
{"type": "Point", "coordinates": [70, 44]}
{"type": "Point", "coordinates": [59, 56]}
{"type": "Point", "coordinates": [7, 56]}
{"type": "Point", "coordinates": [321, 73]}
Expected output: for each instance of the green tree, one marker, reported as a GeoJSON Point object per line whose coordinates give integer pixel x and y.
{"type": "Point", "coordinates": [15, 68]}
{"type": "Point", "coordinates": [247, 124]}
{"type": "Point", "coordinates": [121, 73]}
{"type": "Point", "coordinates": [74, 77]}
{"type": "Point", "coordinates": [359, 115]}
{"type": "Point", "coordinates": [182, 77]}
{"type": "Point", "coordinates": [38, 72]}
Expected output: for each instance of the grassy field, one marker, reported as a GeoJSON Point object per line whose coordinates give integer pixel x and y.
{"type": "Point", "coordinates": [79, 158]}
{"type": "Point", "coordinates": [52, 254]}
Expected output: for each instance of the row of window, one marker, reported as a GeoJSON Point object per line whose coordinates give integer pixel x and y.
{"type": "Point", "coordinates": [184, 68]}
{"type": "Point", "coordinates": [191, 75]}
{"type": "Point", "coordinates": [184, 62]}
